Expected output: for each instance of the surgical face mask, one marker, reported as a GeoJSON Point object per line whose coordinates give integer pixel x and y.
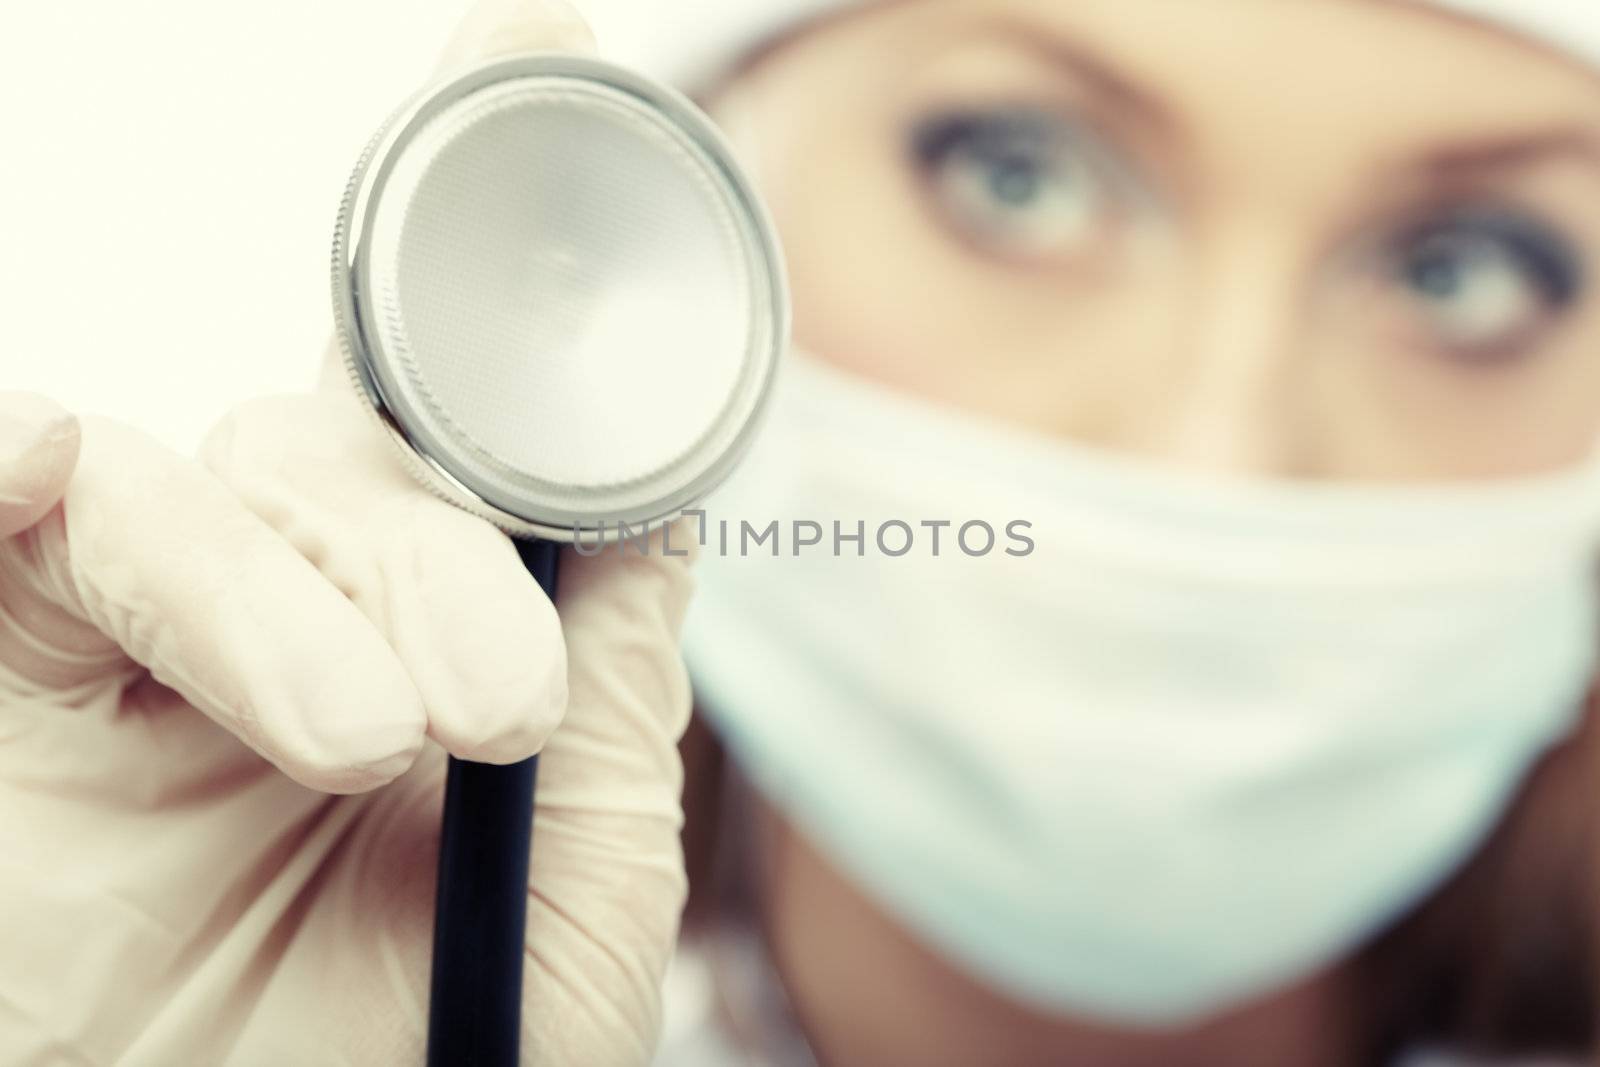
{"type": "Point", "coordinates": [1204, 737]}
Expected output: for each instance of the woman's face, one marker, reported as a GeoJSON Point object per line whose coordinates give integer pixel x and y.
{"type": "Point", "coordinates": [1331, 239]}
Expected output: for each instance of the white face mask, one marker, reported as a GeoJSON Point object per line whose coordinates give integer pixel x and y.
{"type": "Point", "coordinates": [1206, 737]}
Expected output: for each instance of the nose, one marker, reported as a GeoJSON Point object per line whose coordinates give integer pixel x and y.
{"type": "Point", "coordinates": [1235, 405]}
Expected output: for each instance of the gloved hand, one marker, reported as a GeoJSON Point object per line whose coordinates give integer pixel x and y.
{"type": "Point", "coordinates": [226, 693]}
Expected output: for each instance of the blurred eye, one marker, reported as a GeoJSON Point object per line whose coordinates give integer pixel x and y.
{"type": "Point", "coordinates": [1483, 284]}
{"type": "Point", "coordinates": [1020, 182]}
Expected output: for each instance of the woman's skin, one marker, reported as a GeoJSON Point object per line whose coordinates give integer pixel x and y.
{"type": "Point", "coordinates": [1214, 274]}
{"type": "Point", "coordinates": [1314, 239]}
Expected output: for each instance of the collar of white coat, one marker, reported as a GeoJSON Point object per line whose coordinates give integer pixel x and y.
{"type": "Point", "coordinates": [689, 43]}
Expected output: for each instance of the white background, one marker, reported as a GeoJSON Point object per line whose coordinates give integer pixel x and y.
{"type": "Point", "coordinates": [169, 177]}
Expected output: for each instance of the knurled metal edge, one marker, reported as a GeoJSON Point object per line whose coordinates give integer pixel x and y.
{"type": "Point", "coordinates": [429, 475]}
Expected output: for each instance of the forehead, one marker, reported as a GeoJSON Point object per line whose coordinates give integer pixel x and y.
{"type": "Point", "coordinates": [1322, 97]}
{"type": "Point", "coordinates": [1404, 62]}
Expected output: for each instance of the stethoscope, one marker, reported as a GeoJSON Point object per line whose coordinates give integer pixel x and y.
{"type": "Point", "coordinates": [565, 304]}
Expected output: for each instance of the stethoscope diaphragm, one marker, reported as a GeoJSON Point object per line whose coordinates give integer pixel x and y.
{"type": "Point", "coordinates": [560, 293]}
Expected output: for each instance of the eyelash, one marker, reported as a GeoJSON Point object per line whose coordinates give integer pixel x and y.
{"type": "Point", "coordinates": [1462, 268]}
{"type": "Point", "coordinates": [1476, 282]}
{"type": "Point", "coordinates": [1549, 259]}
{"type": "Point", "coordinates": [934, 138]}
{"type": "Point", "coordinates": [1020, 144]}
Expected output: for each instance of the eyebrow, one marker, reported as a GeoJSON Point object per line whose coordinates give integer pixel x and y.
{"type": "Point", "coordinates": [1101, 78]}
{"type": "Point", "coordinates": [1516, 152]}
{"type": "Point", "coordinates": [1117, 90]}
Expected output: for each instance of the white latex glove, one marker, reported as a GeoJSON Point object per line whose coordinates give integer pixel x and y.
{"type": "Point", "coordinates": [224, 688]}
